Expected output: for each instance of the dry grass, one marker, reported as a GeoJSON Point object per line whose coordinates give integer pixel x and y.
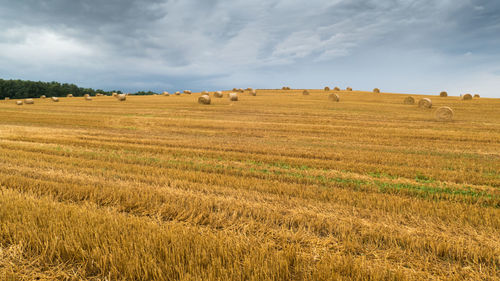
{"type": "Point", "coordinates": [278, 186]}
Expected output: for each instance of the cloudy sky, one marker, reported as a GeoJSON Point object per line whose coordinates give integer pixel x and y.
{"type": "Point", "coordinates": [409, 46]}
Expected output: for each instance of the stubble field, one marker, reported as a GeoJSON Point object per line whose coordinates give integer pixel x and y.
{"type": "Point", "coordinates": [276, 186]}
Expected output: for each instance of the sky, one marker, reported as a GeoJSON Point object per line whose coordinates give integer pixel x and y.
{"type": "Point", "coordinates": [403, 46]}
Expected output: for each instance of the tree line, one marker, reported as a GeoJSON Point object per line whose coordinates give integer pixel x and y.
{"type": "Point", "coordinates": [21, 89]}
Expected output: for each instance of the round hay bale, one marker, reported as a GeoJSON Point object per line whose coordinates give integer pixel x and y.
{"type": "Point", "coordinates": [425, 103]}
{"type": "Point", "coordinates": [19, 102]}
{"type": "Point", "coordinates": [348, 89]}
{"type": "Point", "coordinates": [253, 93]}
{"type": "Point", "coordinates": [443, 94]}
{"type": "Point", "coordinates": [409, 100]}
{"type": "Point", "coordinates": [6, 98]}
{"type": "Point", "coordinates": [327, 88]}
{"type": "Point", "coordinates": [336, 89]}
{"type": "Point", "coordinates": [249, 89]}
{"type": "Point", "coordinates": [241, 90]}
{"type": "Point", "coordinates": [29, 101]}
{"type": "Point", "coordinates": [187, 92]}
{"type": "Point", "coordinates": [165, 94]}
{"type": "Point", "coordinates": [114, 94]}
{"type": "Point", "coordinates": [69, 95]}
{"type": "Point", "coordinates": [218, 94]}
{"type": "Point", "coordinates": [233, 96]}
{"type": "Point", "coordinates": [235, 90]}
{"type": "Point", "coordinates": [376, 90]}
{"type": "Point", "coordinates": [444, 113]}
{"type": "Point", "coordinates": [86, 95]}
{"type": "Point", "coordinates": [476, 96]}
{"type": "Point", "coordinates": [177, 93]}
{"type": "Point", "coordinates": [88, 98]}
{"type": "Point", "coordinates": [42, 96]}
{"type": "Point", "coordinates": [467, 97]}
{"type": "Point", "coordinates": [305, 93]}
{"type": "Point", "coordinates": [204, 99]}
{"type": "Point", "coordinates": [54, 99]}
{"type": "Point", "coordinates": [98, 94]}
{"type": "Point", "coordinates": [121, 97]}
{"type": "Point", "coordinates": [334, 97]}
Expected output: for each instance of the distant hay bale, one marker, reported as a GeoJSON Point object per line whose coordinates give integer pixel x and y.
{"type": "Point", "coordinates": [54, 99]}
{"type": "Point", "coordinates": [253, 93]}
{"type": "Point", "coordinates": [305, 92]}
{"type": "Point", "coordinates": [376, 90]}
{"type": "Point", "coordinates": [235, 90]}
{"type": "Point", "coordinates": [241, 90]}
{"type": "Point", "coordinates": [336, 89]}
{"type": "Point", "coordinates": [249, 89]}
{"type": "Point", "coordinates": [42, 96]}
{"type": "Point", "coordinates": [177, 93]}
{"type": "Point", "coordinates": [444, 113]}
{"type": "Point", "coordinates": [425, 103]}
{"type": "Point", "coordinates": [29, 101]}
{"type": "Point", "coordinates": [19, 102]}
{"type": "Point", "coordinates": [443, 94]}
{"type": "Point", "coordinates": [165, 94]}
{"type": "Point", "coordinates": [187, 92]}
{"type": "Point", "coordinates": [218, 94]}
{"type": "Point", "coordinates": [467, 97]}
{"type": "Point", "coordinates": [69, 95]}
{"type": "Point", "coordinates": [327, 88]}
{"type": "Point", "coordinates": [233, 96]}
{"type": "Point", "coordinates": [86, 95]}
{"type": "Point", "coordinates": [6, 98]}
{"type": "Point", "coordinates": [409, 100]}
{"type": "Point", "coordinates": [98, 94]}
{"type": "Point", "coordinates": [348, 89]}
{"type": "Point", "coordinates": [204, 99]}
{"type": "Point", "coordinates": [204, 92]}
{"type": "Point", "coordinates": [88, 98]}
{"type": "Point", "coordinates": [334, 97]}
{"type": "Point", "coordinates": [476, 96]}
{"type": "Point", "coordinates": [121, 97]}
{"type": "Point", "coordinates": [114, 94]}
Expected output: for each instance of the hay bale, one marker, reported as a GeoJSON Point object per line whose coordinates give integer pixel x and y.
{"type": "Point", "coordinates": [327, 88]}
{"type": "Point", "coordinates": [177, 93]}
{"type": "Point", "coordinates": [425, 103]}
{"type": "Point", "coordinates": [218, 94]}
{"type": "Point", "coordinates": [253, 93]}
{"type": "Point", "coordinates": [165, 94]}
{"type": "Point", "coordinates": [235, 89]}
{"type": "Point", "coordinates": [19, 102]}
{"type": "Point", "coordinates": [336, 89]}
{"type": "Point", "coordinates": [334, 97]}
{"type": "Point", "coordinates": [233, 96]}
{"type": "Point", "coordinates": [187, 92]}
{"type": "Point", "coordinates": [249, 89]}
{"type": "Point", "coordinates": [69, 95]}
{"type": "Point", "coordinates": [54, 99]}
{"type": "Point", "coordinates": [467, 97]}
{"type": "Point", "coordinates": [6, 98]}
{"type": "Point", "coordinates": [114, 94]}
{"type": "Point", "coordinates": [86, 95]}
{"type": "Point", "coordinates": [29, 101]}
{"type": "Point", "coordinates": [305, 93]}
{"type": "Point", "coordinates": [444, 113]}
{"type": "Point", "coordinates": [348, 89]}
{"type": "Point", "coordinates": [204, 93]}
{"type": "Point", "coordinates": [443, 94]}
{"type": "Point", "coordinates": [409, 100]}
{"type": "Point", "coordinates": [241, 90]}
{"type": "Point", "coordinates": [376, 90]}
{"type": "Point", "coordinates": [204, 99]}
{"type": "Point", "coordinates": [121, 97]}
{"type": "Point", "coordinates": [88, 98]}
{"type": "Point", "coordinates": [476, 96]}
{"type": "Point", "coordinates": [98, 94]}
{"type": "Point", "coordinates": [42, 96]}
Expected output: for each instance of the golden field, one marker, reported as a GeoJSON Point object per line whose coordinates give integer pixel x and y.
{"type": "Point", "coordinates": [278, 186]}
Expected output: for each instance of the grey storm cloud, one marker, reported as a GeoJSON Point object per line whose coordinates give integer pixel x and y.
{"type": "Point", "coordinates": [399, 45]}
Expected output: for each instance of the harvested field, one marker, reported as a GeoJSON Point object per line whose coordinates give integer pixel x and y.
{"type": "Point", "coordinates": [275, 186]}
